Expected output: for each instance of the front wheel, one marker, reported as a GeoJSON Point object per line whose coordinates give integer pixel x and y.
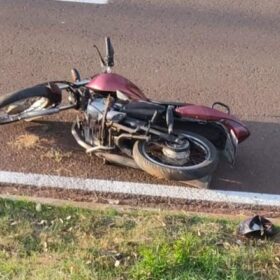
{"type": "Point", "coordinates": [15, 105]}
{"type": "Point", "coordinates": [194, 159]}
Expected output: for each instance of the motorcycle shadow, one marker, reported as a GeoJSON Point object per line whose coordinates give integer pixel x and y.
{"type": "Point", "coordinates": [257, 167]}
{"type": "Point", "coordinates": [56, 133]}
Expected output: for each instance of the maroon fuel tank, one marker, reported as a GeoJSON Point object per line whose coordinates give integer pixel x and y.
{"type": "Point", "coordinates": [113, 82]}
{"type": "Point", "coordinates": [209, 114]}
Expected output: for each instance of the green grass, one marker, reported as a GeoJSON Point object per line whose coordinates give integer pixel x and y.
{"type": "Point", "coordinates": [47, 242]}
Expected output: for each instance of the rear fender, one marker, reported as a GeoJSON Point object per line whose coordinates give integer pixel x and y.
{"type": "Point", "coordinates": [213, 132]}
{"type": "Point", "coordinates": [207, 114]}
{"type": "Point", "coordinates": [241, 132]}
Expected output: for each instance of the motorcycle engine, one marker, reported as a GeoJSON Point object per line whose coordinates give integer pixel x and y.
{"type": "Point", "coordinates": [93, 118]}
{"type": "Point", "coordinates": [95, 109]}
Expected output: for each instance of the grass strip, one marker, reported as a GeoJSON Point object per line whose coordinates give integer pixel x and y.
{"type": "Point", "coordinates": [48, 242]}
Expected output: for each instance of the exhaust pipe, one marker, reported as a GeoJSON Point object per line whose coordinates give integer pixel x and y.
{"type": "Point", "coordinates": [118, 159]}
{"type": "Point", "coordinates": [114, 158]}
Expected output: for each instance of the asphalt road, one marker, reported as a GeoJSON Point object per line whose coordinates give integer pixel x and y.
{"type": "Point", "coordinates": [195, 51]}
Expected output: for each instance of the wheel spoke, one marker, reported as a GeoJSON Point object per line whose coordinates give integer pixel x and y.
{"type": "Point", "coordinates": [154, 151]}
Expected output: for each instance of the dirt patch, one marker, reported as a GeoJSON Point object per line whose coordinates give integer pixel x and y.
{"type": "Point", "coordinates": [56, 154]}
{"type": "Point", "coordinates": [47, 149]}
{"type": "Point", "coordinates": [143, 201]}
{"type": "Point", "coordinates": [25, 141]}
{"type": "Point", "coordinates": [114, 204]}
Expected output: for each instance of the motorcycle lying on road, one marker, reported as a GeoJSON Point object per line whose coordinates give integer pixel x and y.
{"type": "Point", "coordinates": [117, 122]}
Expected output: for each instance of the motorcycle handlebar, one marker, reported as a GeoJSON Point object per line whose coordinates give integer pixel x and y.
{"type": "Point", "coordinates": [109, 52]}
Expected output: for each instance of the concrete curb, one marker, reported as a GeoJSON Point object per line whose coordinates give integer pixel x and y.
{"type": "Point", "coordinates": [151, 190]}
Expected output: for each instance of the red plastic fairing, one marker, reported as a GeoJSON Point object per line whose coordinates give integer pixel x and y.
{"type": "Point", "coordinates": [208, 114]}
{"type": "Point", "coordinates": [240, 130]}
{"type": "Point", "coordinates": [113, 82]}
{"type": "Point", "coordinates": [202, 113]}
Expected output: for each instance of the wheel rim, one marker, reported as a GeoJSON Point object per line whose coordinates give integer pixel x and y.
{"type": "Point", "coordinates": [199, 153]}
{"type": "Point", "coordinates": [16, 109]}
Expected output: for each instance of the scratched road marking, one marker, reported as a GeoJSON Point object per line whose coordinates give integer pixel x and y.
{"type": "Point", "coordinates": [98, 2]}
{"type": "Point", "coordinates": [105, 186]}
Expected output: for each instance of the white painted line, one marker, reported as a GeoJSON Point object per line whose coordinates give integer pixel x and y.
{"type": "Point", "coordinates": [99, 2]}
{"type": "Point", "coordinates": [40, 180]}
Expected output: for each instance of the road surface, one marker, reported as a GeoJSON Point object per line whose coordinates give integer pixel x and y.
{"type": "Point", "coordinates": [195, 51]}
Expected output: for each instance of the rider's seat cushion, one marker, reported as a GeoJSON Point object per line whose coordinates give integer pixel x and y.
{"type": "Point", "coordinates": [143, 110]}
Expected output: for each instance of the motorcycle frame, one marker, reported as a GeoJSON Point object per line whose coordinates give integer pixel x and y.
{"type": "Point", "coordinates": [228, 149]}
{"type": "Point", "coordinates": [226, 125]}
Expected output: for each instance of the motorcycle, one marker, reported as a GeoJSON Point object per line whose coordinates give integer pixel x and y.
{"type": "Point", "coordinates": [117, 122]}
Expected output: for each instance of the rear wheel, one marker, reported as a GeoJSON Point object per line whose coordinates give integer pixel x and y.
{"type": "Point", "coordinates": [15, 105]}
{"type": "Point", "coordinates": [198, 158]}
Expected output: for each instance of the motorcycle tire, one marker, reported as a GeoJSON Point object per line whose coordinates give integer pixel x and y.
{"type": "Point", "coordinates": [175, 172]}
{"type": "Point", "coordinates": [49, 95]}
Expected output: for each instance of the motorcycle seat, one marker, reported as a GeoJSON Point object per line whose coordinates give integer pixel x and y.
{"type": "Point", "coordinates": [203, 113]}
{"type": "Point", "coordinates": [143, 110]}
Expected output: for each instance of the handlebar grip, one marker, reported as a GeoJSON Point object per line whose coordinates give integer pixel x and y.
{"type": "Point", "coordinates": [109, 52]}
